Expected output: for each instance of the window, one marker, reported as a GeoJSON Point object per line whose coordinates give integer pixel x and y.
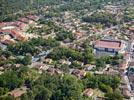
{"type": "Point", "coordinates": [106, 49]}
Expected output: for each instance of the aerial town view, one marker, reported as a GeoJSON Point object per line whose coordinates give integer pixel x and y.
{"type": "Point", "coordinates": [66, 49]}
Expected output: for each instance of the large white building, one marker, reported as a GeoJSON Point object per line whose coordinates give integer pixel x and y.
{"type": "Point", "coordinates": [108, 47]}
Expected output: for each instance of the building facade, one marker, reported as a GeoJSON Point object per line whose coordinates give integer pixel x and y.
{"type": "Point", "coordinates": [108, 47]}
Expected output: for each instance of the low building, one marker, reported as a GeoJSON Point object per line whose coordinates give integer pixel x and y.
{"type": "Point", "coordinates": [126, 93]}
{"type": "Point", "coordinates": [18, 35]}
{"type": "Point", "coordinates": [88, 92]}
{"type": "Point", "coordinates": [18, 92]}
{"type": "Point", "coordinates": [7, 41]}
{"type": "Point", "coordinates": [53, 71]}
{"type": "Point", "coordinates": [79, 73]}
{"type": "Point", "coordinates": [18, 65]}
{"type": "Point", "coordinates": [131, 68]}
{"type": "Point", "coordinates": [63, 61]}
{"type": "Point", "coordinates": [131, 29]}
{"type": "Point", "coordinates": [78, 34]}
{"type": "Point", "coordinates": [89, 67]}
{"type": "Point", "coordinates": [126, 56]}
{"type": "Point", "coordinates": [131, 78]}
{"type": "Point", "coordinates": [39, 66]}
{"type": "Point", "coordinates": [33, 17]}
{"type": "Point", "coordinates": [48, 60]}
{"type": "Point", "coordinates": [131, 65]}
{"type": "Point", "coordinates": [26, 20]}
{"type": "Point", "coordinates": [21, 25]}
{"type": "Point", "coordinates": [108, 47]}
{"type": "Point", "coordinates": [111, 72]}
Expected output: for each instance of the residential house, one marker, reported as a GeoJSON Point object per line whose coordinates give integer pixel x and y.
{"type": "Point", "coordinates": [131, 29]}
{"type": "Point", "coordinates": [131, 79]}
{"type": "Point", "coordinates": [26, 20]}
{"type": "Point", "coordinates": [89, 67]}
{"type": "Point", "coordinates": [123, 66]}
{"type": "Point", "coordinates": [131, 74]}
{"type": "Point", "coordinates": [18, 92]}
{"type": "Point", "coordinates": [126, 93]}
{"type": "Point", "coordinates": [88, 92]}
{"type": "Point", "coordinates": [123, 79]}
{"type": "Point", "coordinates": [33, 17]}
{"type": "Point", "coordinates": [63, 61]}
{"type": "Point", "coordinates": [79, 73]}
{"type": "Point", "coordinates": [126, 56]}
{"type": "Point", "coordinates": [39, 66]}
{"type": "Point", "coordinates": [2, 69]}
{"type": "Point", "coordinates": [21, 25]}
{"type": "Point", "coordinates": [48, 60]}
{"type": "Point", "coordinates": [18, 65]}
{"type": "Point", "coordinates": [111, 71]}
{"type": "Point", "coordinates": [131, 65]}
{"type": "Point", "coordinates": [53, 71]}
{"type": "Point", "coordinates": [78, 34]}
{"type": "Point", "coordinates": [18, 35]}
{"type": "Point", "coordinates": [7, 41]}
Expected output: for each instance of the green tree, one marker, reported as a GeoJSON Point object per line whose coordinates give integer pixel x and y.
{"type": "Point", "coordinates": [45, 94]}
{"type": "Point", "coordinates": [27, 60]}
{"type": "Point", "coordinates": [114, 96]}
{"type": "Point", "coordinates": [105, 88]}
{"type": "Point", "coordinates": [9, 80]}
{"type": "Point", "coordinates": [7, 98]}
{"type": "Point", "coordinates": [88, 56]}
{"type": "Point", "coordinates": [100, 63]}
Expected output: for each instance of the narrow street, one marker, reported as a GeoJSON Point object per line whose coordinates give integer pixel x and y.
{"type": "Point", "coordinates": [130, 50]}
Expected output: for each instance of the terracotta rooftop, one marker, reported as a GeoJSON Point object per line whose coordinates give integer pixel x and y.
{"type": "Point", "coordinates": [8, 41]}
{"type": "Point", "coordinates": [24, 20]}
{"type": "Point", "coordinates": [33, 17]}
{"type": "Point", "coordinates": [108, 44]}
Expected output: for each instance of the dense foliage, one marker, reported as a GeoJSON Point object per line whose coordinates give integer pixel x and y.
{"type": "Point", "coordinates": [61, 52]}
{"type": "Point", "coordinates": [12, 9]}
{"type": "Point", "coordinates": [31, 46]}
{"type": "Point", "coordinates": [103, 18]}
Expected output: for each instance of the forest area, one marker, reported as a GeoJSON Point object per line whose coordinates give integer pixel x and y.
{"type": "Point", "coordinates": [11, 9]}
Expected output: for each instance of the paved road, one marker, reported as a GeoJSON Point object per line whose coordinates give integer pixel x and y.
{"type": "Point", "coordinates": [130, 49]}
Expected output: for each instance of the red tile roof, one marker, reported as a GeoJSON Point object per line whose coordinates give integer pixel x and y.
{"type": "Point", "coordinates": [33, 17]}
{"type": "Point", "coordinates": [19, 36]}
{"type": "Point", "coordinates": [24, 20]}
{"type": "Point", "coordinates": [8, 41]}
{"type": "Point", "coordinates": [108, 44]}
{"type": "Point", "coordinates": [3, 24]}
{"type": "Point", "coordinates": [21, 25]}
